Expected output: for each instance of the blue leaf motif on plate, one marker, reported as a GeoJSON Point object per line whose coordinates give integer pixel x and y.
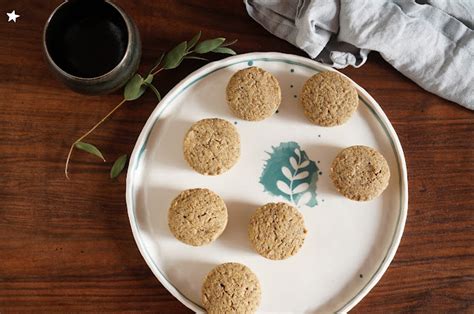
{"type": "Point", "coordinates": [290, 173]}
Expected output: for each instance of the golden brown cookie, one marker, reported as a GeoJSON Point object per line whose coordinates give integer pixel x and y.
{"type": "Point", "coordinates": [277, 231]}
{"type": "Point", "coordinates": [360, 173]}
{"type": "Point", "coordinates": [253, 94]}
{"type": "Point", "coordinates": [231, 288]}
{"type": "Point", "coordinates": [197, 216]}
{"type": "Point", "coordinates": [212, 146]}
{"type": "Point", "coordinates": [329, 99]}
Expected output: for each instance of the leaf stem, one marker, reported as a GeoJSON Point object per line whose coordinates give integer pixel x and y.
{"type": "Point", "coordinates": [292, 179]}
{"type": "Point", "coordinates": [291, 186]}
{"type": "Point", "coordinates": [157, 71]}
{"type": "Point", "coordinates": [87, 133]}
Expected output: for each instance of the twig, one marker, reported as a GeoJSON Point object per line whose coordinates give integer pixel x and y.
{"type": "Point", "coordinates": [87, 133]}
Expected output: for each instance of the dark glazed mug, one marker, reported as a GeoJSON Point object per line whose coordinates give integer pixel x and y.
{"type": "Point", "coordinates": [93, 46]}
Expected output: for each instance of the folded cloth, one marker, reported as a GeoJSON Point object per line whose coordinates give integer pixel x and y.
{"type": "Point", "coordinates": [431, 41]}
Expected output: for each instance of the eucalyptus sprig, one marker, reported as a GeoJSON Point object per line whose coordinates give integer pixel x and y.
{"type": "Point", "coordinates": [138, 85]}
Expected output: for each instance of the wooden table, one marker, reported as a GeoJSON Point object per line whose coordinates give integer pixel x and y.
{"type": "Point", "coordinates": [67, 245]}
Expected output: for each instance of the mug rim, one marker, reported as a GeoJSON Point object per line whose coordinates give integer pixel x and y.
{"type": "Point", "coordinates": [105, 75]}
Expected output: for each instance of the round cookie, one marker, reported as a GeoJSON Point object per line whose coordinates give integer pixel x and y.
{"type": "Point", "coordinates": [231, 288]}
{"type": "Point", "coordinates": [360, 173]}
{"type": "Point", "coordinates": [277, 231]}
{"type": "Point", "coordinates": [329, 99]}
{"type": "Point", "coordinates": [253, 94]}
{"type": "Point", "coordinates": [197, 216]}
{"type": "Point", "coordinates": [212, 146]}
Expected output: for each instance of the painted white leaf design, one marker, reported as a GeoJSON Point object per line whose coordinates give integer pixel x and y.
{"type": "Point", "coordinates": [304, 164]}
{"type": "Point", "coordinates": [293, 163]}
{"type": "Point", "coordinates": [282, 186]}
{"type": "Point", "coordinates": [301, 188]}
{"type": "Point", "coordinates": [304, 199]}
{"type": "Point", "coordinates": [287, 173]}
{"type": "Point", "coordinates": [301, 175]}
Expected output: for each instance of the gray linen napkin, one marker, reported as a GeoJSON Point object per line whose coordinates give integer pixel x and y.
{"type": "Point", "coordinates": [431, 42]}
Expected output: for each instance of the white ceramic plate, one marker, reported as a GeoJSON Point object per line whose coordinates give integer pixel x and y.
{"type": "Point", "coordinates": [349, 244]}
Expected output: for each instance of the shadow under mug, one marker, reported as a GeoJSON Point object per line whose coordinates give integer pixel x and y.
{"type": "Point", "coordinates": [93, 47]}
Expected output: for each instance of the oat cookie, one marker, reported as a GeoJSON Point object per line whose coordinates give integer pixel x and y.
{"type": "Point", "coordinates": [360, 173]}
{"type": "Point", "coordinates": [277, 230]}
{"type": "Point", "coordinates": [212, 146]}
{"type": "Point", "coordinates": [231, 288]}
{"type": "Point", "coordinates": [197, 216]}
{"type": "Point", "coordinates": [253, 94]}
{"type": "Point", "coordinates": [329, 99]}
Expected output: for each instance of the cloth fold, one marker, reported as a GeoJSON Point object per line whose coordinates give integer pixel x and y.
{"type": "Point", "coordinates": [430, 41]}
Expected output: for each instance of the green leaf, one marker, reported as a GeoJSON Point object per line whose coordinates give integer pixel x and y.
{"type": "Point", "coordinates": [194, 40]}
{"type": "Point", "coordinates": [149, 79]}
{"type": "Point", "coordinates": [196, 58]}
{"type": "Point", "coordinates": [224, 50]}
{"type": "Point", "coordinates": [91, 149]}
{"type": "Point", "coordinates": [118, 166]}
{"type": "Point", "coordinates": [209, 45]}
{"type": "Point", "coordinates": [134, 88]}
{"type": "Point", "coordinates": [230, 43]}
{"type": "Point", "coordinates": [174, 57]}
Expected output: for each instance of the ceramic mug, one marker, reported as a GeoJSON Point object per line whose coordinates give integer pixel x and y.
{"type": "Point", "coordinates": [93, 47]}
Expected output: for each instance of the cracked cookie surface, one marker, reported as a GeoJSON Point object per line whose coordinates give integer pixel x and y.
{"type": "Point", "coordinates": [231, 288]}
{"type": "Point", "coordinates": [360, 173]}
{"type": "Point", "coordinates": [197, 216]}
{"type": "Point", "coordinates": [212, 146]}
{"type": "Point", "coordinates": [277, 231]}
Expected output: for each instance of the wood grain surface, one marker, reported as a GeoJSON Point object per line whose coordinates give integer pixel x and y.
{"type": "Point", "coordinates": [67, 245]}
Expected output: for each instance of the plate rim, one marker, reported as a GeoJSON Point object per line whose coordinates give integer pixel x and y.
{"type": "Point", "coordinates": [208, 69]}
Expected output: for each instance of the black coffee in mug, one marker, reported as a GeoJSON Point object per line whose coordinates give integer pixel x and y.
{"type": "Point", "coordinates": [87, 38]}
{"type": "Point", "coordinates": [93, 46]}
